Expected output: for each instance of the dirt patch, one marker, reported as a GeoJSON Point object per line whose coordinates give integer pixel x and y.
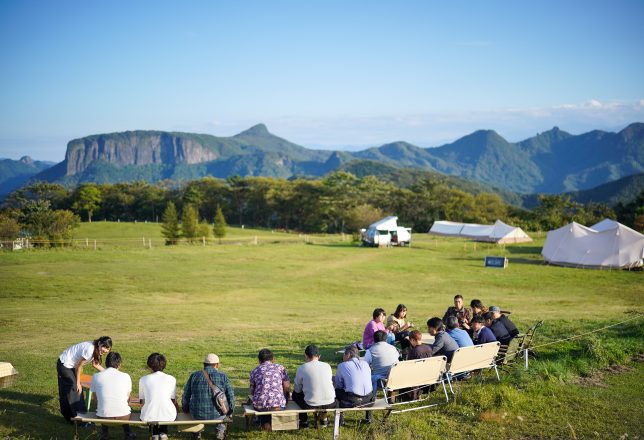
{"type": "Point", "coordinates": [638, 357]}
{"type": "Point", "coordinates": [597, 378]}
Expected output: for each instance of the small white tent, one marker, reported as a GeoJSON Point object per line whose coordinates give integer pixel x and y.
{"type": "Point", "coordinates": [608, 244]}
{"type": "Point", "coordinates": [499, 232]}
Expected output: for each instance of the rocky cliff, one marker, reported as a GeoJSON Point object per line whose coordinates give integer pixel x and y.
{"type": "Point", "coordinates": [135, 148]}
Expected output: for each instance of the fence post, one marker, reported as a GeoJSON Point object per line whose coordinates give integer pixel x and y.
{"type": "Point", "coordinates": [94, 244]}
{"type": "Point", "coordinates": [143, 241]}
{"type": "Point", "coordinates": [525, 356]}
{"type": "Point", "coordinates": [87, 242]}
{"type": "Point", "coordinates": [256, 240]}
{"type": "Point", "coordinates": [150, 243]}
{"type": "Point", "coordinates": [203, 241]}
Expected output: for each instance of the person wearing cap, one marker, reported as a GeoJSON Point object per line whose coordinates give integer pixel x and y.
{"type": "Point", "coordinates": [509, 325]}
{"type": "Point", "coordinates": [313, 388]}
{"type": "Point", "coordinates": [500, 332]}
{"type": "Point", "coordinates": [198, 396]}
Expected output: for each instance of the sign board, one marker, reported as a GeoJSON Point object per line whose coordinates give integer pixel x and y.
{"type": "Point", "coordinates": [500, 262]}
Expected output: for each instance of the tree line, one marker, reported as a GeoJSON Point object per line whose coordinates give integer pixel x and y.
{"type": "Point", "coordinates": [339, 202]}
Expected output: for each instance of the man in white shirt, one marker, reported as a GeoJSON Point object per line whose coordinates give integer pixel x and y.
{"type": "Point", "coordinates": [112, 388]}
{"type": "Point", "coordinates": [313, 387]}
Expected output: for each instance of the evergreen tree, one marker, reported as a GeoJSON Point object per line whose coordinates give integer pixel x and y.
{"type": "Point", "coordinates": [219, 229]}
{"type": "Point", "coordinates": [189, 221]}
{"type": "Point", "coordinates": [170, 226]}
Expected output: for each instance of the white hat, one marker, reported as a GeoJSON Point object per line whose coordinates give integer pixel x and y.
{"type": "Point", "coordinates": [211, 359]}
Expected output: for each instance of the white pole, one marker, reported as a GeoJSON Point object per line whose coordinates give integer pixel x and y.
{"type": "Point", "coordinates": [94, 244]}
{"type": "Point", "coordinates": [87, 242]}
{"type": "Point", "coordinates": [256, 240]}
{"type": "Point", "coordinates": [150, 243]}
{"type": "Point", "coordinates": [203, 240]}
{"type": "Point", "coordinates": [143, 241]}
{"type": "Point", "coordinates": [525, 356]}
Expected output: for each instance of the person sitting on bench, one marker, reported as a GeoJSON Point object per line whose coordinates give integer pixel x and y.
{"type": "Point", "coordinates": [481, 334]}
{"type": "Point", "coordinates": [376, 324]}
{"type": "Point", "coordinates": [500, 332]}
{"type": "Point", "coordinates": [462, 314]}
{"type": "Point", "coordinates": [461, 337]}
{"type": "Point", "coordinates": [380, 357]}
{"type": "Point", "coordinates": [269, 387]}
{"type": "Point", "coordinates": [157, 394]}
{"type": "Point", "coordinates": [353, 382]}
{"type": "Point", "coordinates": [509, 325]}
{"type": "Point", "coordinates": [112, 389]}
{"type": "Point", "coordinates": [418, 350]}
{"type": "Point", "coordinates": [443, 344]}
{"type": "Point", "coordinates": [313, 387]}
{"type": "Point", "coordinates": [198, 394]}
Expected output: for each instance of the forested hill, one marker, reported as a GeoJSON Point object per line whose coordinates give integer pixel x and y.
{"type": "Point", "coordinates": [14, 173]}
{"type": "Point", "coordinates": [550, 162]}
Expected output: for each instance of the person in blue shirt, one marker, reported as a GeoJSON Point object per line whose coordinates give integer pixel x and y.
{"type": "Point", "coordinates": [353, 385]}
{"type": "Point", "coordinates": [461, 337]}
{"type": "Point", "coordinates": [482, 334]}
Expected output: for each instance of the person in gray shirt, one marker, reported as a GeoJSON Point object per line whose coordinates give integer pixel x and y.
{"type": "Point", "coordinates": [313, 388]}
{"type": "Point", "coordinates": [444, 344]}
{"type": "Point", "coordinates": [380, 357]}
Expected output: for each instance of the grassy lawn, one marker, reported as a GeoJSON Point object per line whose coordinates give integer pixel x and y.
{"type": "Point", "coordinates": [283, 293]}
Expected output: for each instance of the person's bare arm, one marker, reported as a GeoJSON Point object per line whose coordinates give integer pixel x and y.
{"type": "Point", "coordinates": [79, 371]}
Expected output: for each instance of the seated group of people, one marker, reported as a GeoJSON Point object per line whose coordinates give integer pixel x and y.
{"type": "Point", "coordinates": [157, 390]}
{"type": "Point", "coordinates": [354, 385]}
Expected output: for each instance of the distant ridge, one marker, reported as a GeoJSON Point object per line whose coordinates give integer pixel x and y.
{"type": "Point", "coordinates": [550, 162]}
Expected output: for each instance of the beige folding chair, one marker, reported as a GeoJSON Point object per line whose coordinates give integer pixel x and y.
{"type": "Point", "coordinates": [415, 374]}
{"type": "Point", "coordinates": [475, 357]}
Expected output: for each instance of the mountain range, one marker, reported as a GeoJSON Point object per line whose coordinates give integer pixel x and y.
{"type": "Point", "coordinates": [550, 162]}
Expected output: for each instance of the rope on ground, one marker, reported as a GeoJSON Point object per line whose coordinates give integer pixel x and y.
{"type": "Point", "coordinates": [638, 316]}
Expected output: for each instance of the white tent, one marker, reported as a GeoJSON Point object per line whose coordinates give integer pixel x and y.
{"type": "Point", "coordinates": [499, 232]}
{"type": "Point", "coordinates": [447, 229]}
{"type": "Point", "coordinates": [608, 244]}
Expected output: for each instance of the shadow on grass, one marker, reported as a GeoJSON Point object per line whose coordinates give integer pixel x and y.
{"type": "Point", "coordinates": [20, 410]}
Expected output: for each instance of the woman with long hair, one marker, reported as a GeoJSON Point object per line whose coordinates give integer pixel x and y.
{"type": "Point", "coordinates": [70, 367]}
{"type": "Point", "coordinates": [397, 324]}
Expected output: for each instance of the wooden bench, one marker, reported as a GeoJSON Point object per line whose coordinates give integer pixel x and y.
{"type": "Point", "coordinates": [184, 422]}
{"type": "Point", "coordinates": [475, 357]}
{"type": "Point", "coordinates": [403, 375]}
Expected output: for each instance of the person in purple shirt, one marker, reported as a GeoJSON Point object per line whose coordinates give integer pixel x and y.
{"type": "Point", "coordinates": [377, 323]}
{"type": "Point", "coordinates": [353, 382]}
{"type": "Point", "coordinates": [269, 387]}
{"type": "Point", "coordinates": [482, 334]}
{"type": "Point", "coordinates": [461, 337]}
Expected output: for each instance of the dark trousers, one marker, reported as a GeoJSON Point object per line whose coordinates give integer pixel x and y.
{"type": "Point", "coordinates": [350, 400]}
{"type": "Point", "coordinates": [299, 399]}
{"type": "Point", "coordinates": [402, 338]}
{"type": "Point", "coordinates": [105, 429]}
{"type": "Point", "coordinates": [160, 429]}
{"type": "Point", "coordinates": [71, 402]}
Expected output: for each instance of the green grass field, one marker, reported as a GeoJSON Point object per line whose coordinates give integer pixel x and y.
{"type": "Point", "coordinates": [238, 297]}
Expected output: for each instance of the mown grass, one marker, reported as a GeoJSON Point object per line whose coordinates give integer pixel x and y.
{"type": "Point", "coordinates": [236, 298]}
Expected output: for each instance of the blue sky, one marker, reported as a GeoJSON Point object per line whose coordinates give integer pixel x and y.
{"type": "Point", "coordinates": [327, 74]}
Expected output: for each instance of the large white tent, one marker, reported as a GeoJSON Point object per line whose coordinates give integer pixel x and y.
{"type": "Point", "coordinates": [608, 244]}
{"type": "Point", "coordinates": [499, 232]}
